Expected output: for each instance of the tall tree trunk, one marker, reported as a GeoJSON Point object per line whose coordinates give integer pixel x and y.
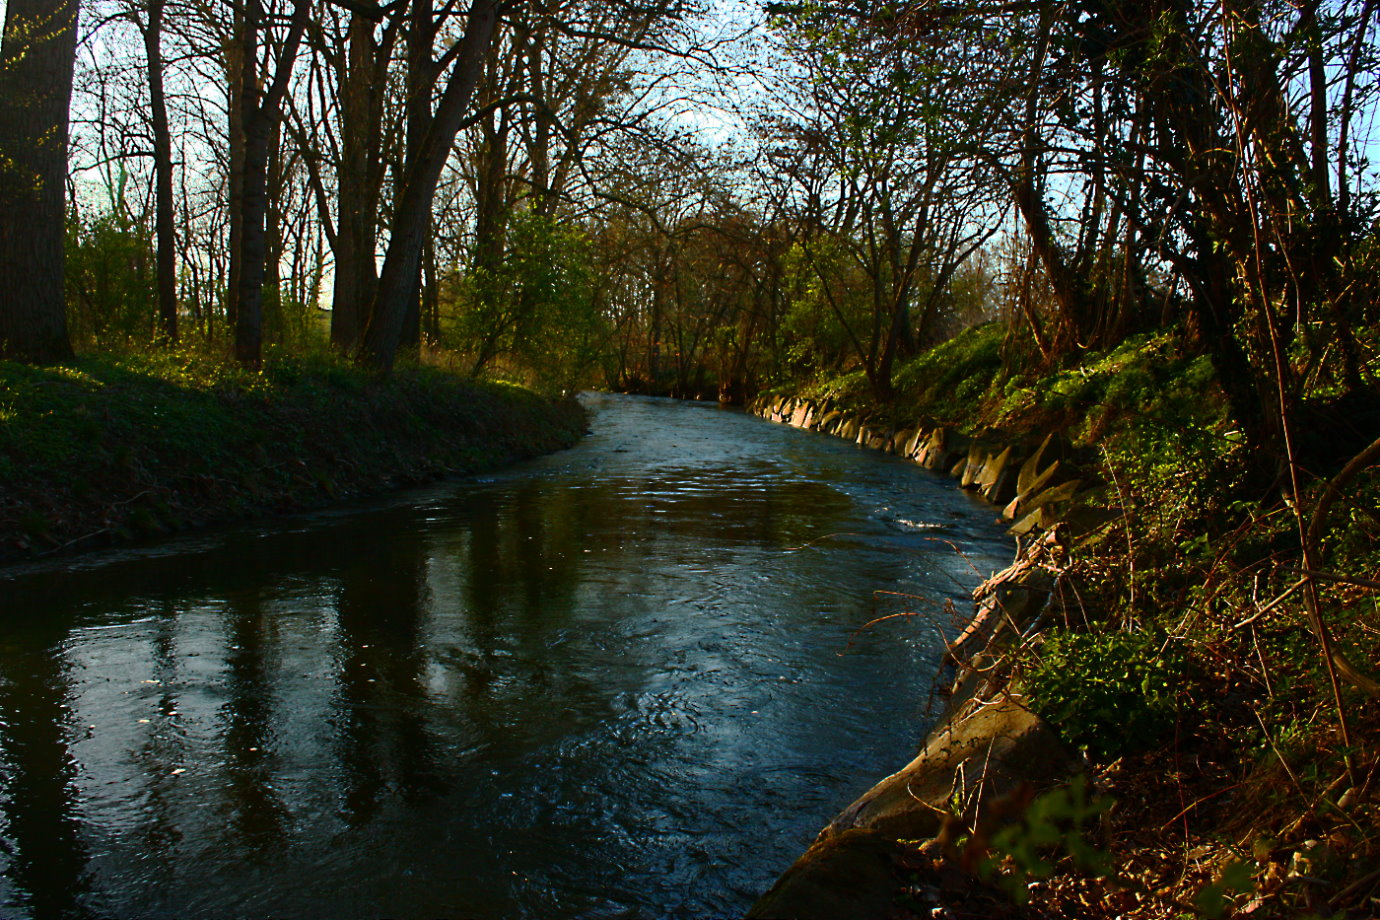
{"type": "Point", "coordinates": [163, 221]}
{"type": "Point", "coordinates": [1027, 192]}
{"type": "Point", "coordinates": [491, 205]}
{"type": "Point", "coordinates": [412, 214]}
{"type": "Point", "coordinates": [356, 272]}
{"type": "Point", "coordinates": [259, 119]}
{"type": "Point", "coordinates": [274, 316]}
{"type": "Point", "coordinates": [431, 295]}
{"type": "Point", "coordinates": [247, 258]}
{"type": "Point", "coordinates": [235, 65]}
{"type": "Point", "coordinates": [1189, 136]}
{"type": "Point", "coordinates": [534, 43]}
{"type": "Point", "coordinates": [37, 55]}
{"type": "Point", "coordinates": [421, 81]}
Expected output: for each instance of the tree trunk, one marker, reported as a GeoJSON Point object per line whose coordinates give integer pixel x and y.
{"type": "Point", "coordinates": [162, 175]}
{"type": "Point", "coordinates": [491, 205]}
{"type": "Point", "coordinates": [235, 65]}
{"type": "Point", "coordinates": [259, 120]}
{"type": "Point", "coordinates": [421, 81]}
{"type": "Point", "coordinates": [252, 254]}
{"type": "Point", "coordinates": [247, 252]}
{"type": "Point", "coordinates": [431, 295]}
{"type": "Point", "coordinates": [37, 56]}
{"type": "Point", "coordinates": [1027, 192]}
{"type": "Point", "coordinates": [275, 317]}
{"type": "Point", "coordinates": [412, 215]}
{"type": "Point", "coordinates": [539, 141]}
{"type": "Point", "coordinates": [356, 272]}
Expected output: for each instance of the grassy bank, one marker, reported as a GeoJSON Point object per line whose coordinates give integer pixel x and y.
{"type": "Point", "coordinates": [109, 447]}
{"type": "Point", "coordinates": [1183, 654]}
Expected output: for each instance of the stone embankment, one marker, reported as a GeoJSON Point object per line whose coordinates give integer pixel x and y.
{"type": "Point", "coordinates": [1037, 483]}
{"type": "Point", "coordinates": [988, 755]}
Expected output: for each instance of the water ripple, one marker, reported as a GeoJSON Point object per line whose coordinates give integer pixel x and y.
{"type": "Point", "coordinates": [630, 680]}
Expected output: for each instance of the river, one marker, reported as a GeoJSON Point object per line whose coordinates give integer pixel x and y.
{"type": "Point", "coordinates": [628, 680]}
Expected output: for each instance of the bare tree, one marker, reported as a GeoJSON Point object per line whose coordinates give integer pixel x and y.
{"type": "Point", "coordinates": [260, 110]}
{"type": "Point", "coordinates": [37, 56]}
{"type": "Point", "coordinates": [164, 221]}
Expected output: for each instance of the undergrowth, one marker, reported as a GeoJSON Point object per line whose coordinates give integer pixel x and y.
{"type": "Point", "coordinates": [1200, 689]}
{"type": "Point", "coordinates": [1186, 665]}
{"type": "Point", "coordinates": [114, 446]}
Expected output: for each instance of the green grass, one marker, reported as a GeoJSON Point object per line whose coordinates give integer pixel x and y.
{"type": "Point", "coordinates": [950, 381]}
{"type": "Point", "coordinates": [113, 446]}
{"type": "Point", "coordinates": [947, 382]}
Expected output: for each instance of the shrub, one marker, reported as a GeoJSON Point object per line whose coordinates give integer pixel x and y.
{"type": "Point", "coordinates": [1108, 693]}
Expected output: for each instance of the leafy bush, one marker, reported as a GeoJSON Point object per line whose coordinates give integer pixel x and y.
{"type": "Point", "coordinates": [823, 281]}
{"type": "Point", "coordinates": [1109, 693]}
{"type": "Point", "coordinates": [1055, 826]}
{"type": "Point", "coordinates": [110, 279]}
{"type": "Point", "coordinates": [535, 314]}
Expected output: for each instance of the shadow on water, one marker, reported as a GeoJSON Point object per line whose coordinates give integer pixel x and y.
{"type": "Point", "coordinates": [623, 681]}
{"type": "Point", "coordinates": [257, 815]}
{"type": "Point", "coordinates": [385, 742]}
{"type": "Point", "coordinates": [44, 853]}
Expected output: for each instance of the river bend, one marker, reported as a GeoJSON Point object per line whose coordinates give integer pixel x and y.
{"type": "Point", "coordinates": [628, 680]}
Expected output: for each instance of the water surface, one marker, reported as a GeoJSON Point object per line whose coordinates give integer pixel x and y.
{"type": "Point", "coordinates": [627, 680]}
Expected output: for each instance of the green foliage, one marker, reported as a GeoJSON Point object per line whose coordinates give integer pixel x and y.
{"type": "Point", "coordinates": [1108, 693]}
{"type": "Point", "coordinates": [289, 323]}
{"type": "Point", "coordinates": [951, 380]}
{"type": "Point", "coordinates": [1355, 535]}
{"type": "Point", "coordinates": [110, 278]}
{"type": "Point", "coordinates": [826, 290]}
{"type": "Point", "coordinates": [969, 300]}
{"type": "Point", "coordinates": [1214, 899]}
{"type": "Point", "coordinates": [137, 443]}
{"type": "Point", "coordinates": [1054, 827]}
{"type": "Point", "coordinates": [536, 311]}
{"type": "Point", "coordinates": [1160, 421]}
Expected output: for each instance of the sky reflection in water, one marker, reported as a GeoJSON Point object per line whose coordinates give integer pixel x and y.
{"type": "Point", "coordinates": [623, 681]}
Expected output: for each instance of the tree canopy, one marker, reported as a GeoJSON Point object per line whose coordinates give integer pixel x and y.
{"type": "Point", "coordinates": [709, 198]}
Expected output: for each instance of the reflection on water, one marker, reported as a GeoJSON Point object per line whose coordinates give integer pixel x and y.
{"type": "Point", "coordinates": [624, 681]}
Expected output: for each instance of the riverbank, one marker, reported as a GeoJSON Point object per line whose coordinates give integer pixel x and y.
{"type": "Point", "coordinates": [1152, 638]}
{"type": "Point", "coordinates": [112, 448]}
{"type": "Point", "coordinates": [617, 681]}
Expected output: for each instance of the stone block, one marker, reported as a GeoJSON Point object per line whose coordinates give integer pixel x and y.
{"type": "Point", "coordinates": [1020, 502]}
{"type": "Point", "coordinates": [999, 746]}
{"type": "Point", "coordinates": [977, 459]}
{"type": "Point", "coordinates": [1003, 489]}
{"type": "Point", "coordinates": [986, 477]}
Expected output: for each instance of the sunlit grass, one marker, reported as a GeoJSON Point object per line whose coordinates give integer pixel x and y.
{"type": "Point", "coordinates": [172, 437]}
